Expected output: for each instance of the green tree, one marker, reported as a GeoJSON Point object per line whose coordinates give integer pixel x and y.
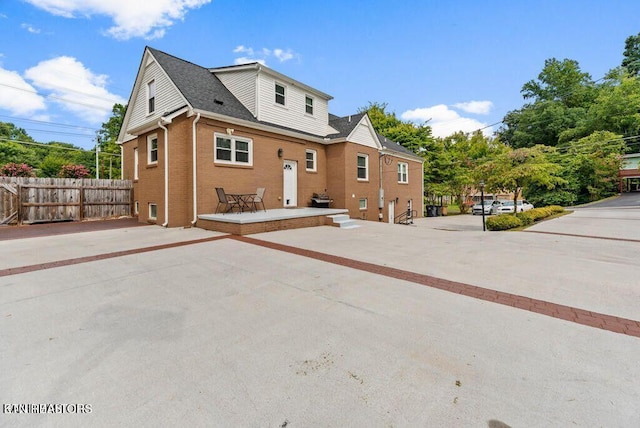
{"type": "Point", "coordinates": [109, 160]}
{"type": "Point", "coordinates": [417, 138]}
{"type": "Point", "coordinates": [516, 169]}
{"type": "Point", "coordinates": [464, 154]}
{"type": "Point", "coordinates": [617, 107]}
{"type": "Point", "coordinates": [631, 60]}
{"type": "Point", "coordinates": [558, 107]}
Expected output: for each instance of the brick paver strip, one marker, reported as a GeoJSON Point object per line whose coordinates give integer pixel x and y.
{"type": "Point", "coordinates": [607, 238]}
{"type": "Point", "coordinates": [87, 259]}
{"type": "Point", "coordinates": [567, 313]}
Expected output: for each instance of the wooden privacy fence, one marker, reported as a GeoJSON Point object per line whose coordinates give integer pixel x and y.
{"type": "Point", "coordinates": [34, 200]}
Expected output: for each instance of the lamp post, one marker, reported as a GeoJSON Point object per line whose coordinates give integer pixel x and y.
{"type": "Point", "coordinates": [481, 184]}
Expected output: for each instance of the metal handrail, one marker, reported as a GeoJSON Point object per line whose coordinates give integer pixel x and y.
{"type": "Point", "coordinates": [406, 217]}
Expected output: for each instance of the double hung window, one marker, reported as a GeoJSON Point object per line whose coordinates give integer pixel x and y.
{"type": "Point", "coordinates": [363, 167]}
{"type": "Point", "coordinates": [403, 172]}
{"type": "Point", "coordinates": [233, 150]}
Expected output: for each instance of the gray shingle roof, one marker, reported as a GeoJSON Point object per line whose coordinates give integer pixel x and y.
{"type": "Point", "coordinates": [344, 125]}
{"type": "Point", "coordinates": [201, 88]}
{"type": "Point", "coordinates": [393, 146]}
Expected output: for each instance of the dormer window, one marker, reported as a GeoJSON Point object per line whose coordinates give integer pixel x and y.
{"type": "Point", "coordinates": [280, 94]}
{"type": "Point", "coordinates": [151, 97]}
{"type": "Point", "coordinates": [308, 104]}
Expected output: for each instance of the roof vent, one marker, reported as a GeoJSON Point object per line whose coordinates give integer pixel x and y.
{"type": "Point", "coordinates": [349, 119]}
{"type": "Point", "coordinates": [217, 101]}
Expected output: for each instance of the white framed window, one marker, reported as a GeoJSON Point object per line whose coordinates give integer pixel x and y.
{"type": "Point", "coordinates": [403, 172]}
{"type": "Point", "coordinates": [363, 203]}
{"type": "Point", "coordinates": [233, 150]}
{"type": "Point", "coordinates": [363, 167]}
{"type": "Point", "coordinates": [281, 93]}
{"type": "Point", "coordinates": [311, 160]}
{"type": "Point", "coordinates": [308, 104]}
{"type": "Point", "coordinates": [151, 97]}
{"type": "Point", "coordinates": [153, 211]}
{"type": "Point", "coordinates": [152, 149]}
{"type": "Point", "coordinates": [136, 161]}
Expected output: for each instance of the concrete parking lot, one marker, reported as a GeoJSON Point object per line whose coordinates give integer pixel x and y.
{"type": "Point", "coordinates": [436, 324]}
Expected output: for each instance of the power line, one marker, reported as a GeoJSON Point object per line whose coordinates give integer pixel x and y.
{"type": "Point", "coordinates": [62, 125]}
{"type": "Point", "coordinates": [58, 98]}
{"type": "Point", "coordinates": [53, 146]}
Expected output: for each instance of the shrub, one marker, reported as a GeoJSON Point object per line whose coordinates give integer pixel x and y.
{"type": "Point", "coordinates": [555, 209]}
{"type": "Point", "coordinates": [74, 171]}
{"type": "Point", "coordinates": [13, 169]}
{"type": "Point", "coordinates": [503, 222]}
{"type": "Point", "coordinates": [526, 217]}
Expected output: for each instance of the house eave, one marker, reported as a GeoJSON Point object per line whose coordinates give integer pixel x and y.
{"type": "Point", "coordinates": [404, 156]}
{"type": "Point", "coordinates": [258, 126]}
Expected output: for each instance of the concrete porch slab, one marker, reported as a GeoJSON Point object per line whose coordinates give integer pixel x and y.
{"type": "Point", "coordinates": [246, 223]}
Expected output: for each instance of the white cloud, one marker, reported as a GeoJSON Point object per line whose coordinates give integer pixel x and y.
{"type": "Point", "coordinates": [243, 50]}
{"type": "Point", "coordinates": [132, 18]}
{"type": "Point", "coordinates": [444, 121]}
{"type": "Point", "coordinates": [283, 55]}
{"type": "Point", "coordinates": [18, 96]}
{"type": "Point", "coordinates": [76, 88]}
{"type": "Point", "coordinates": [261, 55]}
{"type": "Point", "coordinates": [475, 107]}
{"type": "Point", "coordinates": [31, 28]}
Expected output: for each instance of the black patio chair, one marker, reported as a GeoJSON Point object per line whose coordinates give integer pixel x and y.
{"type": "Point", "coordinates": [223, 199]}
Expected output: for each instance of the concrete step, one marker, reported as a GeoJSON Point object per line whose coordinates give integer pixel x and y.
{"type": "Point", "coordinates": [343, 221]}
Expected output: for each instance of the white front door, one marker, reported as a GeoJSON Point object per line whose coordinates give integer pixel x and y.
{"type": "Point", "coordinates": [392, 214]}
{"type": "Point", "coordinates": [290, 184]}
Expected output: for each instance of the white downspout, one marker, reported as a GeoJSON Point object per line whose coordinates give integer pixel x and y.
{"type": "Point", "coordinates": [166, 174]}
{"type": "Point", "coordinates": [195, 174]}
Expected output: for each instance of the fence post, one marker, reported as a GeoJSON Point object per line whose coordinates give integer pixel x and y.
{"type": "Point", "coordinates": [81, 197]}
{"type": "Point", "coordinates": [19, 204]}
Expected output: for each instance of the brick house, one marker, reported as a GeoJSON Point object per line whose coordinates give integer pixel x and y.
{"type": "Point", "coordinates": [630, 173]}
{"type": "Point", "coordinates": [190, 129]}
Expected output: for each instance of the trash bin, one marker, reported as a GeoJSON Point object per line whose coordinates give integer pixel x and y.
{"type": "Point", "coordinates": [438, 211]}
{"type": "Point", "coordinates": [432, 211]}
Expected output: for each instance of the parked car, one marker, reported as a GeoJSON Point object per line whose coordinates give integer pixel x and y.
{"type": "Point", "coordinates": [504, 207]}
{"type": "Point", "coordinates": [488, 204]}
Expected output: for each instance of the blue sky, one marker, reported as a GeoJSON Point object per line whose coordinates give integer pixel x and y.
{"type": "Point", "coordinates": [461, 64]}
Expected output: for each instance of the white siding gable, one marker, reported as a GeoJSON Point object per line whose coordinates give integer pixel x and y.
{"type": "Point", "coordinates": [242, 84]}
{"type": "Point", "coordinates": [293, 113]}
{"type": "Point", "coordinates": [167, 98]}
{"type": "Point", "coordinates": [364, 134]}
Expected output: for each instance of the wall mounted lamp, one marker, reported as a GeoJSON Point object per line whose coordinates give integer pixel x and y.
{"type": "Point", "coordinates": [280, 152]}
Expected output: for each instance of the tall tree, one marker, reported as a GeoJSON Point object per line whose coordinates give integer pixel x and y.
{"type": "Point", "coordinates": [109, 161]}
{"type": "Point", "coordinates": [559, 101]}
{"type": "Point", "coordinates": [631, 60]}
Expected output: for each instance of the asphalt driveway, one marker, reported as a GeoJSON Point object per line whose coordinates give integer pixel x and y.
{"type": "Point", "coordinates": [384, 325]}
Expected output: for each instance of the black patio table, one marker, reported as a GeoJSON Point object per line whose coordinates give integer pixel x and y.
{"type": "Point", "coordinates": [244, 200]}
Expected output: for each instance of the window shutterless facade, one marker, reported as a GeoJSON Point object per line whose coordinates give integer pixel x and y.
{"type": "Point", "coordinates": [403, 172]}
{"type": "Point", "coordinates": [308, 104]}
{"type": "Point", "coordinates": [152, 149]}
{"type": "Point", "coordinates": [151, 97]}
{"type": "Point", "coordinates": [311, 160]}
{"type": "Point", "coordinates": [363, 203]}
{"type": "Point", "coordinates": [363, 167]}
{"type": "Point", "coordinates": [280, 94]}
{"type": "Point", "coordinates": [233, 150]}
{"type": "Point", "coordinates": [153, 211]}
